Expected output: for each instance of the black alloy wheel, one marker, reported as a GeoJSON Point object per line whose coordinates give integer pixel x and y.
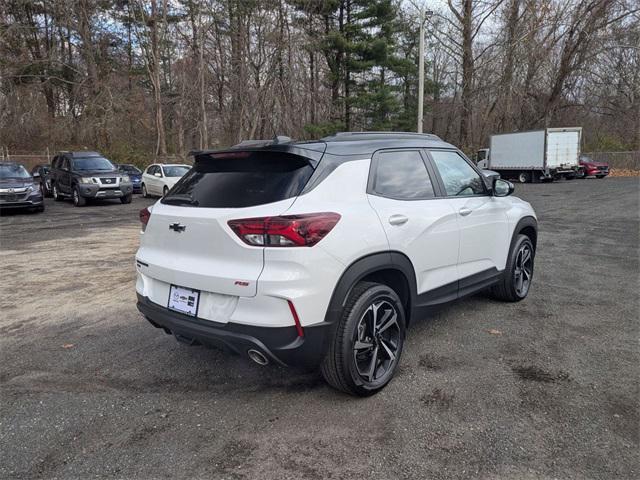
{"type": "Point", "coordinates": [376, 343]}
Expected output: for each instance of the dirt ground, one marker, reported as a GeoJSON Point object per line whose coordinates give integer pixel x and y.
{"type": "Point", "coordinates": [543, 389]}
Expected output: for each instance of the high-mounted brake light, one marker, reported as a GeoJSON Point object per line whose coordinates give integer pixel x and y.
{"type": "Point", "coordinates": [230, 155]}
{"type": "Point", "coordinates": [286, 231]}
{"type": "Point", "coordinates": [145, 214]}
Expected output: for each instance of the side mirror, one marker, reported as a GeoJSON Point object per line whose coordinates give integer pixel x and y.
{"type": "Point", "coordinates": [157, 174]}
{"type": "Point", "coordinates": [35, 175]}
{"type": "Point", "coordinates": [502, 187]}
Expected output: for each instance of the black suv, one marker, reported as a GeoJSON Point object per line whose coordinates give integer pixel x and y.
{"type": "Point", "coordinates": [18, 189]}
{"type": "Point", "coordinates": [87, 175]}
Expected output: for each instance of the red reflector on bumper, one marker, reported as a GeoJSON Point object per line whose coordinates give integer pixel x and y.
{"type": "Point", "coordinates": [296, 319]}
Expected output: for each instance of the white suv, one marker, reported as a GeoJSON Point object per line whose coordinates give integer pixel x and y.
{"type": "Point", "coordinates": [324, 252]}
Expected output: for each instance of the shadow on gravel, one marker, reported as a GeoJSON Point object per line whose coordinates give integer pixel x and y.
{"type": "Point", "coordinates": [537, 374]}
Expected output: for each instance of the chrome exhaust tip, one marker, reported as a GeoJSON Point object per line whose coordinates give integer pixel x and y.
{"type": "Point", "coordinates": [257, 357]}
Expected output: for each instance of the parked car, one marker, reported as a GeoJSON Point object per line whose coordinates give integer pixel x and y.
{"type": "Point", "coordinates": [41, 175]}
{"type": "Point", "coordinates": [83, 176]}
{"type": "Point", "coordinates": [18, 189]}
{"type": "Point", "coordinates": [593, 169]}
{"type": "Point", "coordinates": [323, 253]}
{"type": "Point", "coordinates": [159, 178]}
{"type": "Point", "coordinates": [135, 174]}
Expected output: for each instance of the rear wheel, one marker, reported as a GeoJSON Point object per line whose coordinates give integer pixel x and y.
{"type": "Point", "coordinates": [367, 346]}
{"type": "Point", "coordinates": [518, 274]}
{"type": "Point", "coordinates": [524, 177]}
{"type": "Point", "coordinates": [78, 200]}
{"type": "Point", "coordinates": [56, 194]}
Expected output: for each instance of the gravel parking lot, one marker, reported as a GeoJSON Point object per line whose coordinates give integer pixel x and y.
{"type": "Point", "coordinates": [546, 388]}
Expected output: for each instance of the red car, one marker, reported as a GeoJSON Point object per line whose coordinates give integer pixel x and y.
{"type": "Point", "coordinates": [593, 169]}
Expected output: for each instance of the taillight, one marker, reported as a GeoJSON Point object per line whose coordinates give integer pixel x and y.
{"type": "Point", "coordinates": [286, 231]}
{"type": "Point", "coordinates": [145, 214]}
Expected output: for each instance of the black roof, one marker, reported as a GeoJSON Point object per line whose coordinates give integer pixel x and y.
{"type": "Point", "coordinates": [341, 143]}
{"type": "Point", "coordinates": [81, 153]}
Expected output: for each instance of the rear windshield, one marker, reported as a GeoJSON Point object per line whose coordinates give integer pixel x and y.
{"type": "Point", "coordinates": [175, 170]}
{"type": "Point", "coordinates": [129, 169]}
{"type": "Point", "coordinates": [246, 180]}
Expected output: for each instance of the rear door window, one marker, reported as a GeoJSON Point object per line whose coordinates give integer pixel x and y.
{"type": "Point", "coordinates": [241, 179]}
{"type": "Point", "coordinates": [401, 175]}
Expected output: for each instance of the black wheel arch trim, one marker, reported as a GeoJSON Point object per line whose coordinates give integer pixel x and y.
{"type": "Point", "coordinates": [363, 267]}
{"type": "Point", "coordinates": [523, 223]}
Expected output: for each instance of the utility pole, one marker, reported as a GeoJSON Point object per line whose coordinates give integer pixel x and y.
{"type": "Point", "coordinates": [424, 14]}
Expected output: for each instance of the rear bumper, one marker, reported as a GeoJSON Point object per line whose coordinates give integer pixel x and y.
{"type": "Point", "coordinates": [279, 344]}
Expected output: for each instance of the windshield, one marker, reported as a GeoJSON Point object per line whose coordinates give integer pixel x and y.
{"type": "Point", "coordinates": [176, 171]}
{"type": "Point", "coordinates": [13, 171]}
{"type": "Point", "coordinates": [92, 164]}
{"type": "Point", "coordinates": [129, 169]}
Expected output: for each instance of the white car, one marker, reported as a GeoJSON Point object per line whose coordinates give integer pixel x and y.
{"type": "Point", "coordinates": [323, 253]}
{"type": "Point", "coordinates": [159, 178]}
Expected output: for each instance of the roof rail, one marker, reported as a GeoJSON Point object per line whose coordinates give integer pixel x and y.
{"type": "Point", "coordinates": [354, 135]}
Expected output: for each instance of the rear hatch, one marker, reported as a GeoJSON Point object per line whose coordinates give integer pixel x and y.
{"type": "Point", "coordinates": [188, 242]}
{"type": "Point", "coordinates": [563, 147]}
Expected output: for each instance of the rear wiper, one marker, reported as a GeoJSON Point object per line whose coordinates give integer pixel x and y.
{"type": "Point", "coordinates": [180, 199]}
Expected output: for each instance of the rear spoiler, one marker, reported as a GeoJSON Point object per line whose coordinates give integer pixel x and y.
{"type": "Point", "coordinates": [312, 151]}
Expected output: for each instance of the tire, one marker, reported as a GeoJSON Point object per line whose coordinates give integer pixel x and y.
{"type": "Point", "coordinates": [581, 175]}
{"type": "Point", "coordinates": [600, 176]}
{"type": "Point", "coordinates": [78, 200]}
{"type": "Point", "coordinates": [144, 191]}
{"type": "Point", "coordinates": [518, 274]}
{"type": "Point", "coordinates": [56, 194]}
{"type": "Point", "coordinates": [126, 198]}
{"type": "Point", "coordinates": [524, 177]}
{"type": "Point", "coordinates": [354, 348]}
{"type": "Point", "coordinates": [165, 190]}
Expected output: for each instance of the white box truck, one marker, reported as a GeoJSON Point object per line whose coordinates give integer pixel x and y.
{"type": "Point", "coordinates": [534, 156]}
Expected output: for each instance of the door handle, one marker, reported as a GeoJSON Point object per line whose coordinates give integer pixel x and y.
{"type": "Point", "coordinates": [398, 219]}
{"type": "Point", "coordinates": [464, 211]}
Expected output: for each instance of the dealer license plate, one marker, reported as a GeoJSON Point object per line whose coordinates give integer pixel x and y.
{"type": "Point", "coordinates": [184, 300]}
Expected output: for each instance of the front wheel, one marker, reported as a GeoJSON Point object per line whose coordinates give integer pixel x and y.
{"type": "Point", "coordinates": [126, 198]}
{"type": "Point", "coordinates": [367, 346]}
{"type": "Point", "coordinates": [524, 177]}
{"type": "Point", "coordinates": [144, 191]}
{"type": "Point", "coordinates": [78, 200]}
{"type": "Point", "coordinates": [518, 274]}
{"type": "Point", "coordinates": [165, 190]}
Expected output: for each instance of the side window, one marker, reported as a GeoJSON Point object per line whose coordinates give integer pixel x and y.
{"type": "Point", "coordinates": [401, 175]}
{"type": "Point", "coordinates": [458, 176]}
{"type": "Point", "coordinates": [66, 164]}
{"type": "Point", "coordinates": [151, 170]}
